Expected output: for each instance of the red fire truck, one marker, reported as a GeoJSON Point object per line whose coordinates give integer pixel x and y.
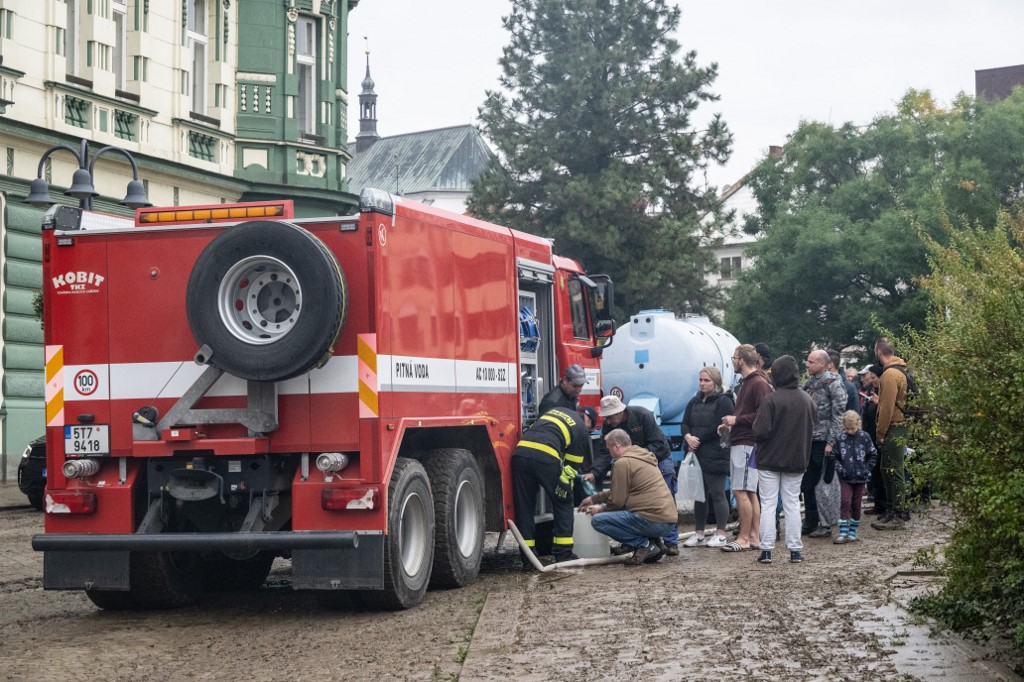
{"type": "Point", "coordinates": [226, 384]}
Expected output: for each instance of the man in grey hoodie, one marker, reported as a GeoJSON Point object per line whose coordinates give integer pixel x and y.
{"type": "Point", "coordinates": [782, 430]}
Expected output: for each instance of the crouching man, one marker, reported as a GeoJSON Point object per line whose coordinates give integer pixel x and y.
{"type": "Point", "coordinates": [639, 509]}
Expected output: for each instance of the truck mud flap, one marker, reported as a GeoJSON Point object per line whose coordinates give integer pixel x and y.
{"type": "Point", "coordinates": [341, 569]}
{"type": "Point", "coordinates": [86, 571]}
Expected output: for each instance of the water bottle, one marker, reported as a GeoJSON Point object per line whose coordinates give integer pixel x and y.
{"type": "Point", "coordinates": [724, 436]}
{"type": "Point", "coordinates": [587, 487]}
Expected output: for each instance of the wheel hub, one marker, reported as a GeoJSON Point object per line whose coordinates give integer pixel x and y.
{"type": "Point", "coordinates": [259, 300]}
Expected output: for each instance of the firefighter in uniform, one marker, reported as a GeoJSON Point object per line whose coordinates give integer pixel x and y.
{"type": "Point", "coordinates": [549, 457]}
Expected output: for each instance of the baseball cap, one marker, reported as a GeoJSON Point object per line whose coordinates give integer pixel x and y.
{"type": "Point", "coordinates": [576, 375]}
{"type": "Point", "coordinates": [765, 352]}
{"type": "Point", "coordinates": [865, 369]}
{"type": "Point", "coordinates": [610, 404]}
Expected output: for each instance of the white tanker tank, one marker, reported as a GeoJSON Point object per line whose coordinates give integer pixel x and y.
{"type": "Point", "coordinates": [655, 359]}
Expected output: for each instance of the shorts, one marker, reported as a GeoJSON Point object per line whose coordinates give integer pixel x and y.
{"type": "Point", "coordinates": [743, 477]}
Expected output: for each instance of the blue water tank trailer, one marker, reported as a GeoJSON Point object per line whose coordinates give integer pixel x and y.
{"type": "Point", "coordinates": [655, 360]}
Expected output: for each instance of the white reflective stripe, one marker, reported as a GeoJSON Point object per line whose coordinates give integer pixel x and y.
{"type": "Point", "coordinates": [477, 376]}
{"type": "Point", "coordinates": [150, 380]}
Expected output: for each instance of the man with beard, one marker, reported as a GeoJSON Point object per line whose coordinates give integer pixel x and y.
{"type": "Point", "coordinates": [753, 389]}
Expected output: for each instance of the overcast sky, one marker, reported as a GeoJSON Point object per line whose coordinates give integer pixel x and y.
{"type": "Point", "coordinates": [779, 61]}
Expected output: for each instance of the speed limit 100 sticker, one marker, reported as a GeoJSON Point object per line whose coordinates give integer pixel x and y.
{"type": "Point", "coordinates": [86, 382]}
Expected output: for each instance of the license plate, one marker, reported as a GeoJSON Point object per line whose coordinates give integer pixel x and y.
{"type": "Point", "coordinates": [87, 440]}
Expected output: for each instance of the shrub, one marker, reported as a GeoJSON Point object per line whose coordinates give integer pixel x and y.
{"type": "Point", "coordinates": [971, 357]}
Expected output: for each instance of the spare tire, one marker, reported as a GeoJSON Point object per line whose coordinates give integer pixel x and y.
{"type": "Point", "coordinates": [269, 300]}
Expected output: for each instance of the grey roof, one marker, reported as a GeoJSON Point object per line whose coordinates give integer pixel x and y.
{"type": "Point", "coordinates": [447, 159]}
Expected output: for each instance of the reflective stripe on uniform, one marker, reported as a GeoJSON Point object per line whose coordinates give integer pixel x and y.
{"type": "Point", "coordinates": [575, 459]}
{"type": "Point", "coordinates": [540, 446]}
{"type": "Point", "coordinates": [530, 543]}
{"type": "Point", "coordinates": [562, 541]}
{"type": "Point", "coordinates": [561, 425]}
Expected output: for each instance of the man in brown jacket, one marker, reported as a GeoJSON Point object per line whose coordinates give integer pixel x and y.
{"type": "Point", "coordinates": [891, 435]}
{"type": "Point", "coordinates": [639, 509]}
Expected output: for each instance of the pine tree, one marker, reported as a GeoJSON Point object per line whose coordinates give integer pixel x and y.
{"type": "Point", "coordinates": [597, 147]}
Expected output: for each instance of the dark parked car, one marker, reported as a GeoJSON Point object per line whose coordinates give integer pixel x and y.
{"type": "Point", "coordinates": [32, 472]}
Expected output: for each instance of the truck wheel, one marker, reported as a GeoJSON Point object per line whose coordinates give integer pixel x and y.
{"type": "Point", "coordinates": [268, 298]}
{"type": "Point", "coordinates": [159, 580]}
{"type": "Point", "coordinates": [409, 545]}
{"type": "Point", "coordinates": [36, 500]}
{"type": "Point", "coordinates": [227, 574]}
{"type": "Point", "coordinates": [458, 490]}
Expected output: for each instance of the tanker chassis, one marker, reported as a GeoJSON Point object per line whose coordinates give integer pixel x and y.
{"type": "Point", "coordinates": [226, 384]}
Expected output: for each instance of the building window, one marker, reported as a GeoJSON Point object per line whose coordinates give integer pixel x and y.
{"type": "Point", "coordinates": [125, 125]}
{"type": "Point", "coordinates": [197, 47]}
{"type": "Point", "coordinates": [120, 43]}
{"type": "Point", "coordinates": [6, 23]}
{"type": "Point", "coordinates": [731, 267]}
{"type": "Point", "coordinates": [305, 71]}
{"type": "Point", "coordinates": [72, 49]}
{"type": "Point", "coordinates": [201, 146]}
{"type": "Point", "coordinates": [141, 69]}
{"type": "Point", "coordinates": [76, 112]}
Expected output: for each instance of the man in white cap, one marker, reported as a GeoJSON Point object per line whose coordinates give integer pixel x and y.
{"type": "Point", "coordinates": [643, 430]}
{"type": "Point", "coordinates": [567, 393]}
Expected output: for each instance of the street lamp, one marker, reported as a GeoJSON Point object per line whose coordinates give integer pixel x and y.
{"type": "Point", "coordinates": [81, 182]}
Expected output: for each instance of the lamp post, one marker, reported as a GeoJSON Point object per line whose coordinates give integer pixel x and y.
{"type": "Point", "coordinates": [81, 182]}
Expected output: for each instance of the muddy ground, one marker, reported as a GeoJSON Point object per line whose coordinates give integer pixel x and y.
{"type": "Point", "coordinates": [703, 615]}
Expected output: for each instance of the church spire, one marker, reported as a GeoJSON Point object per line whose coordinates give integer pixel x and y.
{"type": "Point", "coordinates": [367, 110]}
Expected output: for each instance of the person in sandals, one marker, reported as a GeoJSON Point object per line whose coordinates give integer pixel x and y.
{"type": "Point", "coordinates": [855, 456]}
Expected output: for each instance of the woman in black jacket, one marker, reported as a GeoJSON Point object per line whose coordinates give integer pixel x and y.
{"type": "Point", "coordinates": [700, 434]}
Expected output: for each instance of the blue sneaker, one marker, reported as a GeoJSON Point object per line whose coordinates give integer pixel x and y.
{"type": "Point", "coordinates": [766, 557]}
{"type": "Point", "coordinates": [795, 557]}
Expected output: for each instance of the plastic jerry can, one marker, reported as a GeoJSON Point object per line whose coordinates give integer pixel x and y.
{"type": "Point", "coordinates": [587, 543]}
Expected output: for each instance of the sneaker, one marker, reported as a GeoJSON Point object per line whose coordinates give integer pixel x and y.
{"type": "Point", "coordinates": [695, 540]}
{"type": "Point", "coordinates": [795, 557]}
{"type": "Point", "coordinates": [841, 540]}
{"type": "Point", "coordinates": [820, 532]}
{"type": "Point", "coordinates": [890, 523]}
{"type": "Point", "coordinates": [765, 557]}
{"type": "Point", "coordinates": [671, 549]}
{"type": "Point", "coordinates": [645, 555]}
{"type": "Point", "coordinates": [715, 540]}
{"type": "Point", "coordinates": [804, 530]}
{"type": "Point", "coordinates": [619, 550]}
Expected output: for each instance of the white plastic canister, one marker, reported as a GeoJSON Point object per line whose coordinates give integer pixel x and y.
{"type": "Point", "coordinates": [587, 543]}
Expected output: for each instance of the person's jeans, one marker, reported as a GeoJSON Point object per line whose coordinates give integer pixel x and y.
{"type": "Point", "coordinates": [810, 479]}
{"type": "Point", "coordinates": [629, 528]}
{"type": "Point", "coordinates": [770, 485]}
{"type": "Point", "coordinates": [892, 454]}
{"type": "Point", "coordinates": [668, 471]}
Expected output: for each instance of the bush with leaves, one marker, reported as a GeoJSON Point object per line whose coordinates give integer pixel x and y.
{"type": "Point", "coordinates": [971, 355]}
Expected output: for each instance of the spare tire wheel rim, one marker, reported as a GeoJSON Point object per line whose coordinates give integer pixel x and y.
{"type": "Point", "coordinates": [259, 299]}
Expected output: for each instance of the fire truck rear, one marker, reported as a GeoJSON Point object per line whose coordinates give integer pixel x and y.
{"type": "Point", "coordinates": [227, 384]}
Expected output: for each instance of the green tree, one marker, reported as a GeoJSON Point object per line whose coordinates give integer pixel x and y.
{"type": "Point", "coordinates": [970, 356]}
{"type": "Point", "coordinates": [841, 215]}
{"type": "Point", "coordinates": [597, 149]}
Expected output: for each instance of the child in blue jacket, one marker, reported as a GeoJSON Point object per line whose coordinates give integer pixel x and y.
{"type": "Point", "coordinates": [854, 457]}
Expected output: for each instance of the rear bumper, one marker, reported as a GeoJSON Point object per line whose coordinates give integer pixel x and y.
{"type": "Point", "coordinates": [321, 560]}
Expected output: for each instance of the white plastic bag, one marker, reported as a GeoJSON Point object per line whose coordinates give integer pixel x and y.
{"type": "Point", "coordinates": [691, 482]}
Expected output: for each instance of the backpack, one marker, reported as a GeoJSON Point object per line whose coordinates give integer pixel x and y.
{"type": "Point", "coordinates": [909, 408]}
